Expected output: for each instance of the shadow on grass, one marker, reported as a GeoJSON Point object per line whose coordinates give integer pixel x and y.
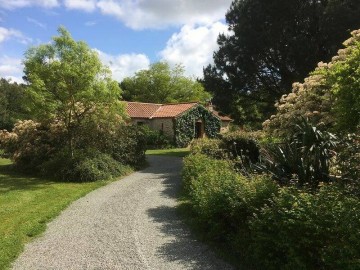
{"type": "Point", "coordinates": [12, 180]}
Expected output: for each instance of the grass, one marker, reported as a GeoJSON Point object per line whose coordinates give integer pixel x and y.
{"type": "Point", "coordinates": [27, 204]}
{"type": "Point", "coordinates": [176, 152]}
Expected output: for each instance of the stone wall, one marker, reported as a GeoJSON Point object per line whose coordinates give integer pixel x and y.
{"type": "Point", "coordinates": [164, 124]}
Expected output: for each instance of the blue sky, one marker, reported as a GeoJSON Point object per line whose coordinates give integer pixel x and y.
{"type": "Point", "coordinates": [128, 34]}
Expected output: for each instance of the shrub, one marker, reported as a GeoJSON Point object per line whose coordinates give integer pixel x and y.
{"type": "Point", "coordinates": [30, 143]}
{"type": "Point", "coordinates": [155, 139]}
{"type": "Point", "coordinates": [85, 166]}
{"type": "Point", "coordinates": [210, 147]}
{"type": "Point", "coordinates": [42, 148]}
{"type": "Point", "coordinates": [223, 199]}
{"type": "Point", "coordinates": [304, 157]}
{"type": "Point", "coordinates": [348, 162]}
{"type": "Point", "coordinates": [303, 230]}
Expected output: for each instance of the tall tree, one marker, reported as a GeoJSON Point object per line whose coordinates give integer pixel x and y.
{"type": "Point", "coordinates": [273, 44]}
{"type": "Point", "coordinates": [69, 84]}
{"type": "Point", "coordinates": [12, 103]}
{"type": "Point", "coordinates": [162, 84]}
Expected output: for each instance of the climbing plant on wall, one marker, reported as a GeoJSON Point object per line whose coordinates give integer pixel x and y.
{"type": "Point", "coordinates": [185, 125]}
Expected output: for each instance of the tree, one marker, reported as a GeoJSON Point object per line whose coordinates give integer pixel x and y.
{"type": "Point", "coordinates": [68, 84]}
{"type": "Point", "coordinates": [344, 79]}
{"type": "Point", "coordinates": [161, 84]}
{"type": "Point", "coordinates": [12, 103]}
{"type": "Point", "coordinates": [271, 45]}
{"type": "Point", "coordinates": [329, 96]}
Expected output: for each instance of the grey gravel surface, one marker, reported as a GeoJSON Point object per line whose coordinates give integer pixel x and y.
{"type": "Point", "coordinates": [129, 224]}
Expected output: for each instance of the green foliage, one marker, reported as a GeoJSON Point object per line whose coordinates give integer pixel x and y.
{"type": "Point", "coordinates": [330, 95]}
{"type": "Point", "coordinates": [12, 103]}
{"type": "Point", "coordinates": [30, 143]}
{"type": "Point", "coordinates": [224, 200]}
{"type": "Point", "coordinates": [69, 84]}
{"type": "Point", "coordinates": [344, 78]}
{"type": "Point", "coordinates": [185, 125]}
{"type": "Point", "coordinates": [209, 147]}
{"type": "Point", "coordinates": [83, 167]}
{"type": "Point", "coordinates": [162, 84]}
{"type": "Point", "coordinates": [303, 158]}
{"type": "Point", "coordinates": [302, 230]}
{"type": "Point", "coordinates": [243, 146]}
{"type": "Point", "coordinates": [348, 162]}
{"type": "Point", "coordinates": [272, 44]}
{"type": "Point", "coordinates": [38, 148]}
{"type": "Point", "coordinates": [273, 227]}
{"type": "Point", "coordinates": [155, 139]}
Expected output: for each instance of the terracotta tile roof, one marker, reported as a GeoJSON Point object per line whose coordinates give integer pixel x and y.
{"type": "Point", "coordinates": [141, 110]}
{"type": "Point", "coordinates": [222, 117]}
{"type": "Point", "coordinates": [152, 110]}
{"type": "Point", "coordinates": [172, 110]}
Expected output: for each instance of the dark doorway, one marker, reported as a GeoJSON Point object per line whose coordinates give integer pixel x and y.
{"type": "Point", "coordinates": [199, 130]}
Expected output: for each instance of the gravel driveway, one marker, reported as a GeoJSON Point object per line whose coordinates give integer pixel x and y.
{"type": "Point", "coordinates": [129, 224]}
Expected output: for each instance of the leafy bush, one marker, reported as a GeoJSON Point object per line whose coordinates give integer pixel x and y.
{"type": "Point", "coordinates": [304, 158]}
{"type": "Point", "coordinates": [210, 147]}
{"type": "Point", "coordinates": [42, 148]}
{"type": "Point", "coordinates": [330, 95]}
{"type": "Point", "coordinates": [303, 230]}
{"type": "Point", "coordinates": [83, 167]}
{"type": "Point", "coordinates": [30, 143]}
{"type": "Point", "coordinates": [155, 139]}
{"type": "Point", "coordinates": [348, 162]}
{"type": "Point", "coordinates": [223, 199]}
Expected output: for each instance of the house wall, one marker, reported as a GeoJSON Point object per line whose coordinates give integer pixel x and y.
{"type": "Point", "coordinates": [164, 124]}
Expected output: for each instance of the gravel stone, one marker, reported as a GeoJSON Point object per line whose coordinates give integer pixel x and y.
{"type": "Point", "coordinates": [129, 224]}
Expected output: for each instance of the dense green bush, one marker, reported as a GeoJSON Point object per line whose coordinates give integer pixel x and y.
{"type": "Point", "coordinates": [273, 227]}
{"type": "Point", "coordinates": [304, 158]}
{"type": "Point", "coordinates": [210, 147]}
{"type": "Point", "coordinates": [87, 166]}
{"type": "Point", "coordinates": [223, 199]}
{"type": "Point", "coordinates": [98, 150]}
{"type": "Point", "coordinates": [348, 162]}
{"type": "Point", "coordinates": [155, 139]}
{"type": "Point", "coordinates": [303, 230]}
{"type": "Point", "coordinates": [30, 143]}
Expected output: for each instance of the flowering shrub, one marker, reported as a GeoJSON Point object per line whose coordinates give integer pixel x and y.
{"type": "Point", "coordinates": [43, 148]}
{"type": "Point", "coordinates": [30, 143]}
{"type": "Point", "coordinates": [330, 95]}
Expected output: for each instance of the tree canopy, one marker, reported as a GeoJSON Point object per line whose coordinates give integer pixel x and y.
{"type": "Point", "coordinates": [12, 103]}
{"type": "Point", "coordinates": [163, 84]}
{"type": "Point", "coordinates": [273, 44]}
{"type": "Point", "coordinates": [69, 84]}
{"type": "Point", "coordinates": [330, 95]}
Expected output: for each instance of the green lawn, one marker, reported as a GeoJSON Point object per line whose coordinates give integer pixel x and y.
{"type": "Point", "coordinates": [27, 204]}
{"type": "Point", "coordinates": [177, 152]}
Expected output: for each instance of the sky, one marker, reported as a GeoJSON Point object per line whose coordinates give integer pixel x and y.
{"type": "Point", "coordinates": [128, 35]}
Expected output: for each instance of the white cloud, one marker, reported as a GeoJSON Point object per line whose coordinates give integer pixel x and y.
{"type": "Point", "coordinates": [140, 14]}
{"type": "Point", "coordinates": [85, 5]}
{"type": "Point", "coordinates": [11, 68]}
{"type": "Point", "coordinates": [36, 22]}
{"type": "Point", "coordinates": [193, 47]}
{"type": "Point", "coordinates": [90, 23]}
{"type": "Point", "coordinates": [124, 65]}
{"type": "Point", "coordinates": [6, 34]}
{"type": "Point", "coordinates": [12, 4]}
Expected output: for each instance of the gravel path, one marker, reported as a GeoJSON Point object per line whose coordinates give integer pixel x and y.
{"type": "Point", "coordinates": [129, 224]}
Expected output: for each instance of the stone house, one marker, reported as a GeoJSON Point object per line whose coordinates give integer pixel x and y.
{"type": "Point", "coordinates": [180, 121]}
